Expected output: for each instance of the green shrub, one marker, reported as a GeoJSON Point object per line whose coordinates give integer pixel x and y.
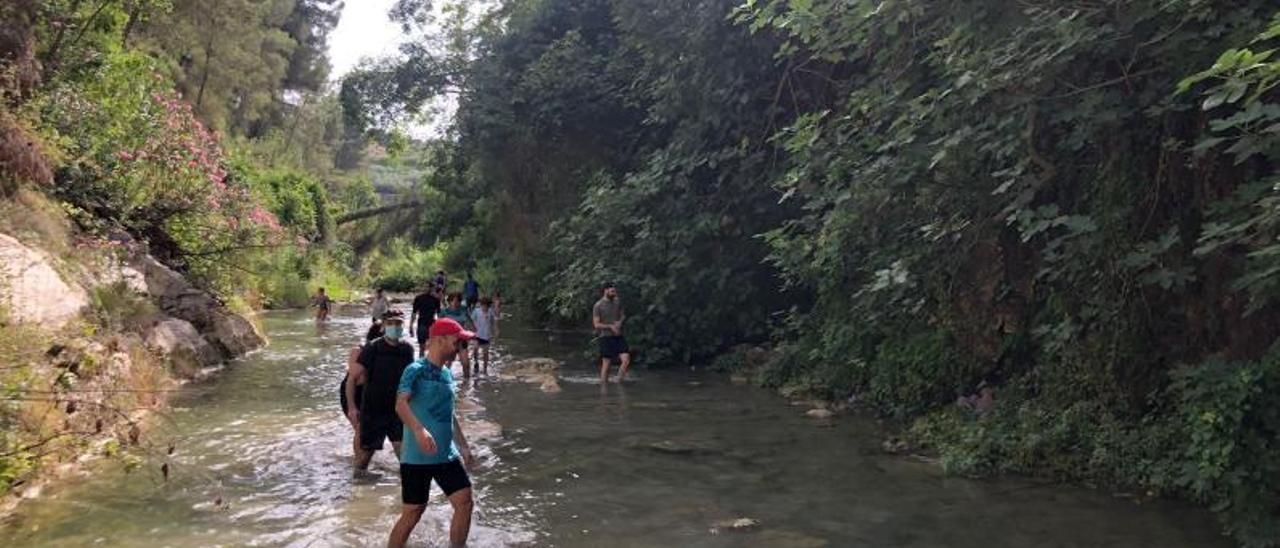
{"type": "Point", "coordinates": [1214, 440]}
{"type": "Point", "coordinates": [1228, 415]}
{"type": "Point", "coordinates": [405, 268]}
{"type": "Point", "coordinates": [286, 290]}
{"type": "Point", "coordinates": [116, 307]}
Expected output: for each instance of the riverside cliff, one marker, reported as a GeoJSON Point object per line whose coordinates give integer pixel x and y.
{"type": "Point", "coordinates": [94, 333]}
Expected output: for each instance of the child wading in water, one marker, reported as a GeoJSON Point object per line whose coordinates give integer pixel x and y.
{"type": "Point", "coordinates": [322, 304]}
{"type": "Point", "coordinates": [455, 311]}
{"type": "Point", "coordinates": [482, 319]}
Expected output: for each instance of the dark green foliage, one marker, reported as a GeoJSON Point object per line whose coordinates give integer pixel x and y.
{"type": "Point", "coordinates": [1066, 202]}
{"type": "Point", "coordinates": [1228, 421]}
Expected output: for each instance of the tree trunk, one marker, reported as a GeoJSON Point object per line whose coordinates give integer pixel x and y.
{"type": "Point", "coordinates": [51, 57]}
{"type": "Point", "coordinates": [375, 211]}
{"type": "Point", "coordinates": [204, 78]}
{"type": "Point", "coordinates": [134, 15]}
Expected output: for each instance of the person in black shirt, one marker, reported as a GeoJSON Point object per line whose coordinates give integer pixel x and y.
{"type": "Point", "coordinates": [378, 368]}
{"type": "Point", "coordinates": [425, 306]}
{"type": "Point", "coordinates": [375, 331]}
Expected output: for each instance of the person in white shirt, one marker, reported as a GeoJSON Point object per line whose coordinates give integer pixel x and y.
{"type": "Point", "coordinates": [482, 319]}
{"type": "Point", "coordinates": [379, 306]}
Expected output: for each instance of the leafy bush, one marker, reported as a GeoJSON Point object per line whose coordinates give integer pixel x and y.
{"type": "Point", "coordinates": [136, 156]}
{"type": "Point", "coordinates": [1215, 443]}
{"type": "Point", "coordinates": [1228, 419]}
{"type": "Point", "coordinates": [116, 307]}
{"type": "Point", "coordinates": [404, 268]}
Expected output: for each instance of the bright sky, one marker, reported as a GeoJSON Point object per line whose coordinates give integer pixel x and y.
{"type": "Point", "coordinates": [365, 31]}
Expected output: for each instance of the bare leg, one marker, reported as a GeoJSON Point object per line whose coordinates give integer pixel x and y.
{"type": "Point", "coordinates": [410, 515]}
{"type": "Point", "coordinates": [604, 370]}
{"type": "Point", "coordinates": [485, 351]}
{"type": "Point", "coordinates": [466, 364]}
{"type": "Point", "coordinates": [362, 458]}
{"type": "Point", "coordinates": [626, 363]}
{"type": "Point", "coordinates": [460, 525]}
{"type": "Point", "coordinates": [355, 442]}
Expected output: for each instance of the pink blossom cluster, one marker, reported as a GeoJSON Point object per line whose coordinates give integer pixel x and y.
{"type": "Point", "coordinates": [182, 160]}
{"type": "Point", "coordinates": [264, 218]}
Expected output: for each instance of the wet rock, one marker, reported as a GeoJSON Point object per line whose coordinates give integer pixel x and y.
{"type": "Point", "coordinates": [894, 445]}
{"type": "Point", "coordinates": [482, 430]}
{"type": "Point", "coordinates": [737, 524]}
{"type": "Point", "coordinates": [819, 413]}
{"type": "Point", "coordinates": [236, 334]}
{"type": "Point", "coordinates": [33, 291]}
{"type": "Point", "coordinates": [671, 447]}
{"type": "Point", "coordinates": [179, 341]}
{"type": "Point", "coordinates": [530, 367]}
{"type": "Point", "coordinates": [550, 385]}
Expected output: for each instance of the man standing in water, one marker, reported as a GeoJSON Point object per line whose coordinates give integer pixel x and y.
{"type": "Point", "coordinates": [607, 317]}
{"type": "Point", "coordinates": [425, 306]}
{"type": "Point", "coordinates": [437, 448]}
{"type": "Point", "coordinates": [470, 292]}
{"type": "Point", "coordinates": [378, 368]}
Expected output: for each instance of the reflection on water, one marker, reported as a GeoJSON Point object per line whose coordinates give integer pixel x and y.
{"type": "Point", "coordinates": [670, 459]}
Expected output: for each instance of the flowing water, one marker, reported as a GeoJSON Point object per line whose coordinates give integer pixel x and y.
{"type": "Point", "coordinates": [671, 459]}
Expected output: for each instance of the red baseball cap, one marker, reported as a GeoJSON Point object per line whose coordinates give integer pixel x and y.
{"type": "Point", "coordinates": [445, 327]}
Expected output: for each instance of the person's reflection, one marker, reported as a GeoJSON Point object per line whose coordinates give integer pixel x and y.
{"type": "Point", "coordinates": [620, 401]}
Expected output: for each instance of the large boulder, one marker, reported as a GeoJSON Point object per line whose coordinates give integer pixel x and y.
{"type": "Point", "coordinates": [32, 291]}
{"type": "Point", "coordinates": [230, 333]}
{"type": "Point", "coordinates": [234, 333]}
{"type": "Point", "coordinates": [539, 371]}
{"type": "Point", "coordinates": [179, 341]}
{"type": "Point", "coordinates": [528, 368]}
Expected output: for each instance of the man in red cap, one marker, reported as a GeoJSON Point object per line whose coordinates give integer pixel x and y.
{"type": "Point", "coordinates": [436, 448]}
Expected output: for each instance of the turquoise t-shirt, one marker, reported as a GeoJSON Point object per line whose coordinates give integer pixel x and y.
{"type": "Point", "coordinates": [430, 390]}
{"type": "Point", "coordinates": [456, 314]}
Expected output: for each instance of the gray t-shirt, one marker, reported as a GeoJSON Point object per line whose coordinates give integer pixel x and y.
{"type": "Point", "coordinates": [609, 311]}
{"type": "Point", "coordinates": [379, 306]}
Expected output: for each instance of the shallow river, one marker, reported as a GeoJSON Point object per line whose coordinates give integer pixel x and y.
{"type": "Point", "coordinates": [261, 458]}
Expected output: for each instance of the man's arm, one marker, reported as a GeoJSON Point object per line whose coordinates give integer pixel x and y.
{"type": "Point", "coordinates": [425, 442]}
{"type": "Point", "coordinates": [596, 322]}
{"type": "Point", "coordinates": [355, 376]}
{"type": "Point", "coordinates": [413, 315]}
{"type": "Point", "coordinates": [461, 439]}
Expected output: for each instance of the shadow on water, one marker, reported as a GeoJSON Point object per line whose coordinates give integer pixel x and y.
{"type": "Point", "coordinates": [670, 459]}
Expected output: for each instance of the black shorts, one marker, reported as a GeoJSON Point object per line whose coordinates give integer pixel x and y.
{"type": "Point", "coordinates": [415, 480]}
{"type": "Point", "coordinates": [375, 428]}
{"type": "Point", "coordinates": [612, 347]}
{"type": "Point", "coordinates": [342, 396]}
{"type": "Point", "coordinates": [481, 342]}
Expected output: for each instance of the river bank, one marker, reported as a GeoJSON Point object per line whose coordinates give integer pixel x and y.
{"type": "Point", "coordinates": [674, 457]}
{"type": "Point", "coordinates": [97, 334]}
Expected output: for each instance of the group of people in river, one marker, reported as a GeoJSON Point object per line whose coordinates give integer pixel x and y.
{"type": "Point", "coordinates": [391, 393]}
